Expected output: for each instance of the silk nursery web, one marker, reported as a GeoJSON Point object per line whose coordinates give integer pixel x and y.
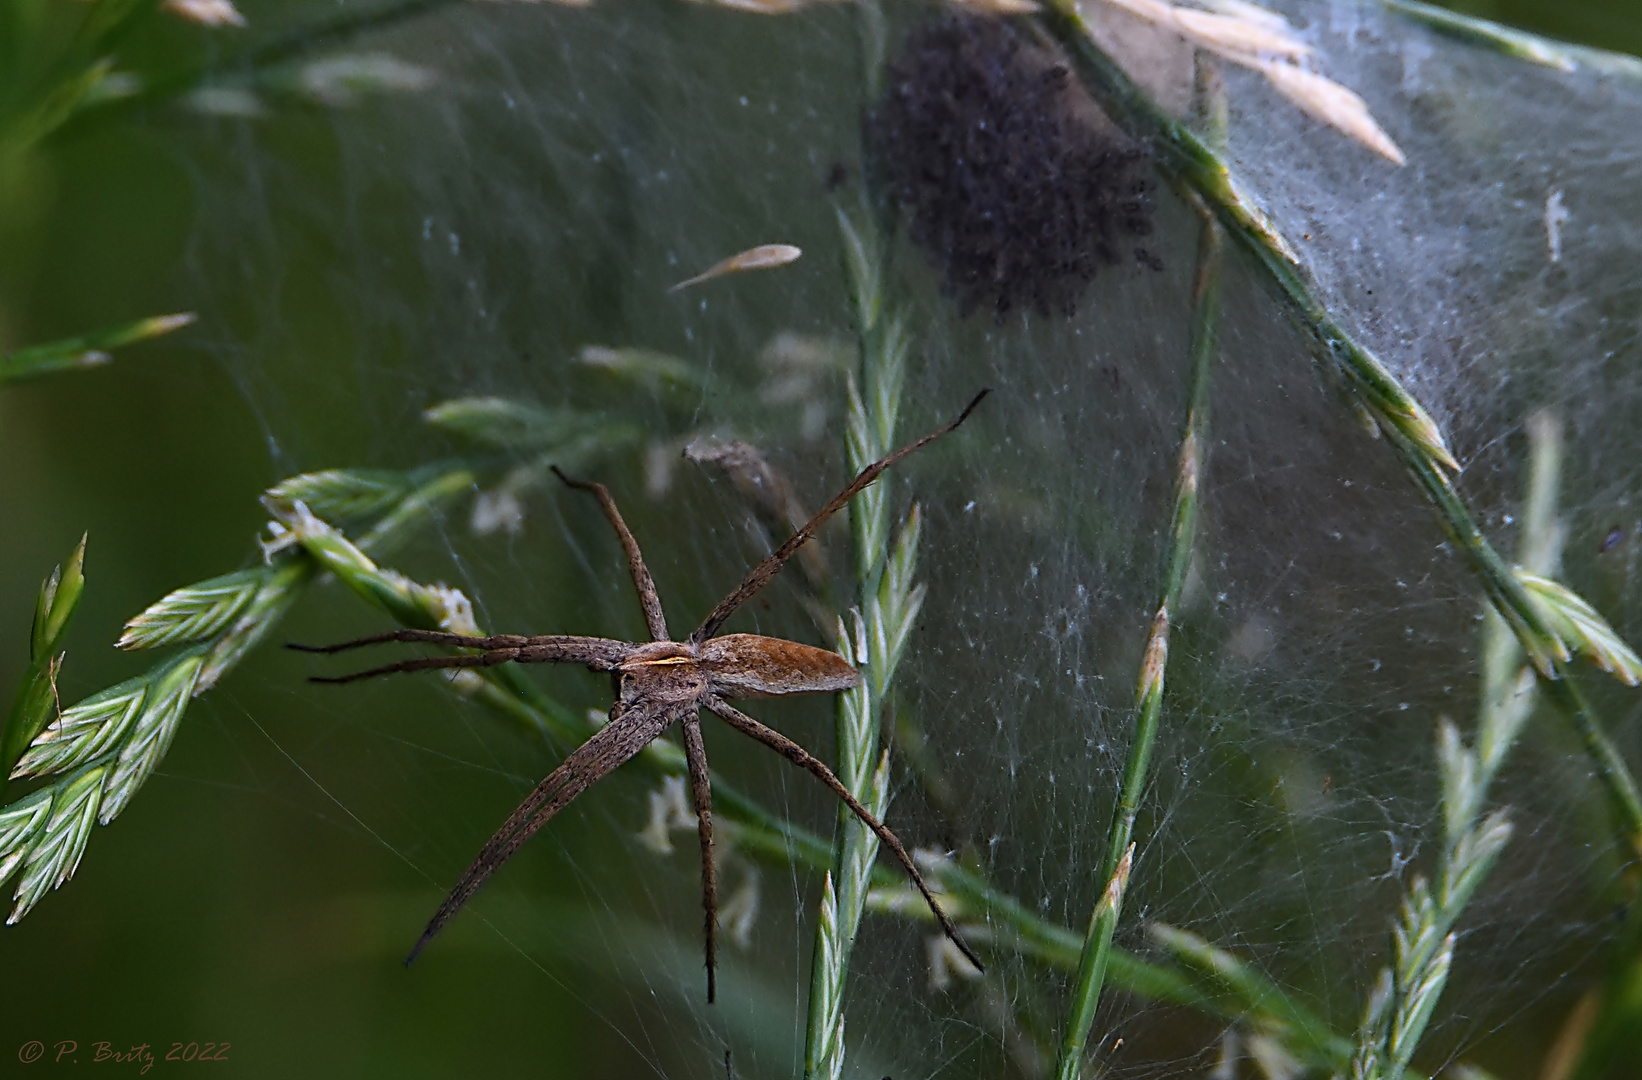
{"type": "Point", "coordinates": [457, 273]}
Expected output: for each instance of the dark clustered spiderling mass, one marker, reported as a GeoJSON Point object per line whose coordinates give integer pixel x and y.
{"type": "Point", "coordinates": [1014, 184]}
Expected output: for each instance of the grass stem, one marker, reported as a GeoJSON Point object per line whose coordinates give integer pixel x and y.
{"type": "Point", "coordinates": [1194, 446]}
{"type": "Point", "coordinates": [887, 603]}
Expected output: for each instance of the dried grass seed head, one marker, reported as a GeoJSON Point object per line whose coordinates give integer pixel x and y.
{"type": "Point", "coordinates": [1014, 184]}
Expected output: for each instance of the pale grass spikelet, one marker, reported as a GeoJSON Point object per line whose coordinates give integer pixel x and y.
{"type": "Point", "coordinates": [1249, 13]}
{"type": "Point", "coordinates": [947, 963]}
{"type": "Point", "coordinates": [1275, 1013]}
{"type": "Point", "coordinates": [235, 102]}
{"type": "Point", "coordinates": [1258, 221]}
{"type": "Point", "coordinates": [156, 325]}
{"type": "Point", "coordinates": [506, 423]}
{"type": "Point", "coordinates": [762, 257]}
{"type": "Point", "coordinates": [1225, 1061]}
{"type": "Point", "coordinates": [1505, 716]}
{"type": "Point", "coordinates": [467, 684]}
{"type": "Point", "coordinates": [825, 1055]}
{"type": "Point", "coordinates": [192, 613]}
{"type": "Point", "coordinates": [1233, 36]}
{"type": "Point", "coordinates": [1191, 454]}
{"type": "Point", "coordinates": [1472, 858]}
{"type": "Point", "coordinates": [869, 517]}
{"type": "Point", "coordinates": [1580, 628]}
{"type": "Point", "coordinates": [212, 13]}
{"type": "Point", "coordinates": [907, 901]}
{"type": "Point", "coordinates": [88, 730]}
{"type": "Point", "coordinates": [1156, 658]}
{"type": "Point", "coordinates": [859, 856]}
{"type": "Point", "coordinates": [1326, 100]}
{"type": "Point", "coordinates": [1112, 898]}
{"type": "Point", "coordinates": [436, 606]}
{"type": "Point", "coordinates": [276, 592]}
{"type": "Point", "coordinates": [345, 493]}
{"type": "Point", "coordinates": [497, 511]}
{"type": "Point", "coordinates": [799, 370]}
{"type": "Point", "coordinates": [891, 613]}
{"type": "Point", "coordinates": [997, 7]}
{"type": "Point", "coordinates": [87, 350]}
{"type": "Point", "coordinates": [20, 825]}
{"type": "Point", "coordinates": [341, 81]}
{"type": "Point", "coordinates": [889, 598]}
{"type": "Point", "coordinates": [763, 7]}
{"type": "Point", "coordinates": [739, 913]}
{"type": "Point", "coordinates": [1416, 936]}
{"type": "Point", "coordinates": [862, 267]}
{"type": "Point", "coordinates": [1263, 41]}
{"type": "Point", "coordinates": [1396, 410]}
{"type": "Point", "coordinates": [451, 607]}
{"type": "Point", "coordinates": [1272, 1057]}
{"type": "Point", "coordinates": [280, 539]}
{"type": "Point", "coordinates": [55, 853]}
{"type": "Point", "coordinates": [669, 810]}
{"type": "Point", "coordinates": [1465, 1070]}
{"type": "Point", "coordinates": [1369, 1058]}
{"type": "Point", "coordinates": [658, 371]}
{"type": "Point", "coordinates": [1420, 1000]}
{"type": "Point", "coordinates": [1458, 770]}
{"type": "Point", "coordinates": [151, 735]}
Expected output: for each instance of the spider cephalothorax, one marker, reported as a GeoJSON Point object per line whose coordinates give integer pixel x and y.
{"type": "Point", "coordinates": [660, 683]}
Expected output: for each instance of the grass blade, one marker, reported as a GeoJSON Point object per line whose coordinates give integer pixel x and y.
{"type": "Point", "coordinates": [89, 350]}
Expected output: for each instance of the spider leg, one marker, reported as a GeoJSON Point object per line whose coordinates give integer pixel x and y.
{"type": "Point", "coordinates": [436, 637]}
{"type": "Point", "coordinates": [764, 571]}
{"type": "Point", "coordinates": [701, 793]}
{"type": "Point", "coordinates": [425, 663]}
{"type": "Point", "coordinates": [599, 654]}
{"type": "Point", "coordinates": [629, 731]}
{"type": "Point", "coordinates": [805, 760]}
{"type": "Point", "coordinates": [648, 600]}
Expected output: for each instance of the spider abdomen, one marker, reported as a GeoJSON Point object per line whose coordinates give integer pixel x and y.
{"type": "Point", "coordinates": [748, 665]}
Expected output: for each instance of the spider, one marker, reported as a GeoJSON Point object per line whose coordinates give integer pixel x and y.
{"type": "Point", "coordinates": [659, 683]}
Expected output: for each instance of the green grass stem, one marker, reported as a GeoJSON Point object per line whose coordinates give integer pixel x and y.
{"type": "Point", "coordinates": [36, 701]}
{"type": "Point", "coordinates": [1518, 44]}
{"type": "Point", "coordinates": [1114, 874]}
{"type": "Point", "coordinates": [887, 603]}
{"type": "Point", "coordinates": [87, 350]}
{"type": "Point", "coordinates": [1302, 1031]}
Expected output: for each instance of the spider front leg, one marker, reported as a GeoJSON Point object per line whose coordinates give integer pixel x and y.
{"type": "Point", "coordinates": [654, 619]}
{"type": "Point", "coordinates": [760, 575]}
{"type": "Point", "coordinates": [818, 768]}
{"type": "Point", "coordinates": [434, 637]}
{"type": "Point", "coordinates": [489, 658]}
{"type": "Point", "coordinates": [599, 654]}
{"type": "Point", "coordinates": [701, 793]}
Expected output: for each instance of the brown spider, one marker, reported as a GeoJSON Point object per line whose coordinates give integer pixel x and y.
{"type": "Point", "coordinates": [659, 683]}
